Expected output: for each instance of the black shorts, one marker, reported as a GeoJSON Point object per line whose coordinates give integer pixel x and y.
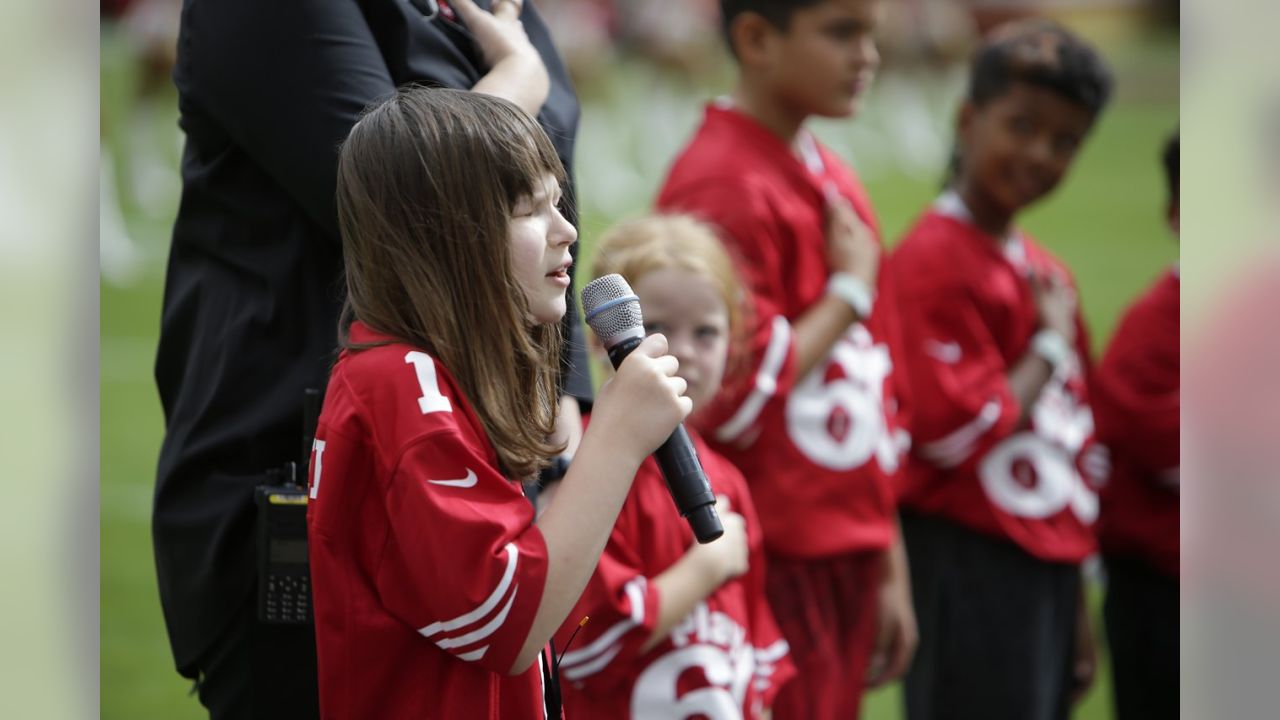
{"type": "Point", "coordinates": [1141, 612]}
{"type": "Point", "coordinates": [997, 627]}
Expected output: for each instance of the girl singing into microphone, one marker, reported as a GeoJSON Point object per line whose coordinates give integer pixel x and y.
{"type": "Point", "coordinates": [435, 592]}
{"type": "Point", "coordinates": [678, 629]}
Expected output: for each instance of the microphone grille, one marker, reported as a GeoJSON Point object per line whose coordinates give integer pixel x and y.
{"type": "Point", "coordinates": [610, 307]}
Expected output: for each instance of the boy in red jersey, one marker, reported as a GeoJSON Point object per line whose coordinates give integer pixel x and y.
{"type": "Point", "coordinates": [1137, 403]}
{"type": "Point", "coordinates": [997, 512]}
{"type": "Point", "coordinates": [813, 425]}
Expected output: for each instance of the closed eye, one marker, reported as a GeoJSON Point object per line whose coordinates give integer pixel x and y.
{"type": "Point", "coordinates": [524, 207]}
{"type": "Point", "coordinates": [529, 206]}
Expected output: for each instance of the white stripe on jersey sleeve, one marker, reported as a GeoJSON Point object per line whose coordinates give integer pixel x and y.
{"type": "Point", "coordinates": [474, 655]}
{"type": "Point", "coordinates": [591, 668]}
{"type": "Point", "coordinates": [468, 618]}
{"type": "Point", "coordinates": [952, 450]}
{"type": "Point", "coordinates": [766, 385]}
{"type": "Point", "coordinates": [483, 632]}
{"type": "Point", "coordinates": [635, 589]}
{"type": "Point", "coordinates": [635, 596]}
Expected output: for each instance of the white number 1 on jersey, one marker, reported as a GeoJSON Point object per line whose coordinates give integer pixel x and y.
{"type": "Point", "coordinates": [431, 400]}
{"type": "Point", "coordinates": [317, 465]}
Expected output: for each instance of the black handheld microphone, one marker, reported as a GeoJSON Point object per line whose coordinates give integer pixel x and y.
{"type": "Point", "coordinates": [613, 312]}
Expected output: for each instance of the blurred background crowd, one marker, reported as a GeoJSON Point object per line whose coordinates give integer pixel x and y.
{"type": "Point", "coordinates": [643, 70]}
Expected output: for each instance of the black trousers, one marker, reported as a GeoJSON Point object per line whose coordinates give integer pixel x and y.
{"type": "Point", "coordinates": [997, 627]}
{"type": "Point", "coordinates": [256, 671]}
{"type": "Point", "coordinates": [1141, 613]}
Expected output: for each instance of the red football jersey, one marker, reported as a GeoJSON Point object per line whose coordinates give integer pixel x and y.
{"type": "Point", "coordinates": [725, 660]}
{"type": "Point", "coordinates": [426, 566]}
{"type": "Point", "coordinates": [968, 316]}
{"type": "Point", "coordinates": [1137, 403]}
{"type": "Point", "coordinates": [819, 452]}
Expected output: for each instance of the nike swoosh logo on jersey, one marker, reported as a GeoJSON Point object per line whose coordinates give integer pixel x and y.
{"type": "Point", "coordinates": [465, 482]}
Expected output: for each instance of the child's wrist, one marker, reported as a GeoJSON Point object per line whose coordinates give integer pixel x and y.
{"type": "Point", "coordinates": [708, 565]}
{"type": "Point", "coordinates": [1051, 346]}
{"type": "Point", "coordinates": [608, 438]}
{"type": "Point", "coordinates": [853, 291]}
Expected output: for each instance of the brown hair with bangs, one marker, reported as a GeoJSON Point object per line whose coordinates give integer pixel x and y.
{"type": "Point", "coordinates": [427, 183]}
{"type": "Point", "coordinates": [637, 247]}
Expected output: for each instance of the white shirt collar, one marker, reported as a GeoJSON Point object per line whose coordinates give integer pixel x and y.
{"type": "Point", "coordinates": [807, 147]}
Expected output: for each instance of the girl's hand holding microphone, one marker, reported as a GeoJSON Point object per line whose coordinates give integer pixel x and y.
{"type": "Point", "coordinates": [639, 408]}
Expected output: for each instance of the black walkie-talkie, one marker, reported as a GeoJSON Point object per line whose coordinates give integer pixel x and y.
{"type": "Point", "coordinates": [284, 576]}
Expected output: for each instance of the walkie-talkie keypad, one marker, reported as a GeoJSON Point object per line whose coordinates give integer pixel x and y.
{"type": "Point", "coordinates": [288, 599]}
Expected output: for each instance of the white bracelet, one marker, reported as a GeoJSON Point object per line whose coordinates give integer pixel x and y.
{"type": "Point", "coordinates": [1053, 347]}
{"type": "Point", "coordinates": [854, 292]}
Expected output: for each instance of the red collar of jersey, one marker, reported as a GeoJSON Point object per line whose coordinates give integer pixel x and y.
{"type": "Point", "coordinates": [740, 124]}
{"type": "Point", "coordinates": [1030, 257]}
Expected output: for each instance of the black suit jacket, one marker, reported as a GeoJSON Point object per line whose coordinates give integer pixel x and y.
{"type": "Point", "coordinates": [267, 92]}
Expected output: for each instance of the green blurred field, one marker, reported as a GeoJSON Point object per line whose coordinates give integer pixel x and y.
{"type": "Point", "coordinates": [1106, 222]}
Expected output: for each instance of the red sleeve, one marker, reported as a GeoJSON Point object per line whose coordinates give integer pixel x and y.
{"type": "Point", "coordinates": [734, 417]}
{"type": "Point", "coordinates": [622, 606]}
{"type": "Point", "coordinates": [962, 403]}
{"type": "Point", "coordinates": [1137, 403]}
{"type": "Point", "coordinates": [463, 562]}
